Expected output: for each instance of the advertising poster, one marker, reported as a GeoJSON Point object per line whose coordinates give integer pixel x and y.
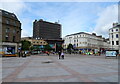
{"type": "Point", "coordinates": [111, 53]}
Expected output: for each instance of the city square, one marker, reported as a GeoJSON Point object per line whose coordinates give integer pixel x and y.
{"type": "Point", "coordinates": [34, 35]}
{"type": "Point", "coordinates": [74, 68]}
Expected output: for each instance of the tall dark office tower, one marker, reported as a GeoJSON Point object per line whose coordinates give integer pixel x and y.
{"type": "Point", "coordinates": [46, 30]}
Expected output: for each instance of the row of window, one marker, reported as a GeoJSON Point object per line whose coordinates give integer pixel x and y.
{"type": "Point", "coordinates": [8, 22]}
{"type": "Point", "coordinates": [77, 45]}
{"type": "Point", "coordinates": [7, 38]}
{"type": "Point", "coordinates": [117, 36]}
{"type": "Point", "coordinates": [115, 30]}
{"type": "Point", "coordinates": [113, 42]}
{"type": "Point", "coordinates": [40, 42]}
{"type": "Point", "coordinates": [8, 30]}
{"type": "Point", "coordinates": [78, 36]}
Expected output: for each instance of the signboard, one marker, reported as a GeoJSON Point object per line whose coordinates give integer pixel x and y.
{"type": "Point", "coordinates": [96, 51]}
{"type": "Point", "coordinates": [111, 53]}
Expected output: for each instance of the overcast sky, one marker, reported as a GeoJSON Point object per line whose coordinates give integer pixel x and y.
{"type": "Point", "coordinates": [73, 16]}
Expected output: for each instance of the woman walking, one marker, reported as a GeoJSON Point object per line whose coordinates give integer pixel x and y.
{"type": "Point", "coordinates": [62, 55]}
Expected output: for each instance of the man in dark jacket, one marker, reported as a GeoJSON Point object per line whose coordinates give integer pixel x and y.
{"type": "Point", "coordinates": [59, 53]}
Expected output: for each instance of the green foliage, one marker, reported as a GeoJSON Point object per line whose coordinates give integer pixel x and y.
{"type": "Point", "coordinates": [59, 47]}
{"type": "Point", "coordinates": [69, 48]}
{"type": "Point", "coordinates": [31, 48]}
{"type": "Point", "coordinates": [25, 45]}
{"type": "Point", "coordinates": [47, 47]}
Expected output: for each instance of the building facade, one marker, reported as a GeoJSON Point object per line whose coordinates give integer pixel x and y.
{"type": "Point", "coordinates": [84, 40]}
{"type": "Point", "coordinates": [42, 42]}
{"type": "Point", "coordinates": [114, 36]}
{"type": "Point", "coordinates": [46, 30]}
{"type": "Point", "coordinates": [11, 32]}
{"type": "Point", "coordinates": [35, 42]}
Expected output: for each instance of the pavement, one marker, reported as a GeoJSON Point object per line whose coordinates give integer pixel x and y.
{"type": "Point", "coordinates": [74, 68]}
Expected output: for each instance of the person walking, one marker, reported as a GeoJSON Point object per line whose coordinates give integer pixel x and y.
{"type": "Point", "coordinates": [59, 53]}
{"type": "Point", "coordinates": [62, 55]}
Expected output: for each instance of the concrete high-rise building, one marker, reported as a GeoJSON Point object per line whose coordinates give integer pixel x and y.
{"type": "Point", "coordinates": [46, 30]}
{"type": "Point", "coordinates": [10, 32]}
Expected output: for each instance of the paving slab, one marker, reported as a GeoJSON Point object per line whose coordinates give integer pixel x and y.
{"type": "Point", "coordinates": [42, 72]}
{"type": "Point", "coordinates": [74, 68]}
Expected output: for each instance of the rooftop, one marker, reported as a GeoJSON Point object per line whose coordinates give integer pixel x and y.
{"type": "Point", "coordinates": [93, 34]}
{"type": "Point", "coordinates": [8, 14]}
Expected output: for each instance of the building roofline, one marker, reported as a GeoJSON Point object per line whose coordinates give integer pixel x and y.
{"type": "Point", "coordinates": [100, 36]}
{"type": "Point", "coordinates": [41, 20]}
{"type": "Point", "coordinates": [115, 26]}
{"type": "Point", "coordinates": [9, 14]}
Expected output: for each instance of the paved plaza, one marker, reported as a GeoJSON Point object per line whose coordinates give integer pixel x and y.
{"type": "Point", "coordinates": [74, 68]}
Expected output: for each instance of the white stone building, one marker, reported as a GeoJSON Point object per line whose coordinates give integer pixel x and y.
{"type": "Point", "coordinates": [84, 40]}
{"type": "Point", "coordinates": [114, 36]}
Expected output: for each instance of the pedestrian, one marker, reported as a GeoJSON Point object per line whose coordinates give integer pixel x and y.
{"type": "Point", "coordinates": [99, 53]}
{"type": "Point", "coordinates": [19, 53]}
{"type": "Point", "coordinates": [47, 53]}
{"type": "Point", "coordinates": [62, 55]}
{"type": "Point", "coordinates": [59, 53]}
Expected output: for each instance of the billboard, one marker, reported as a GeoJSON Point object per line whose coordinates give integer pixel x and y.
{"type": "Point", "coordinates": [111, 53]}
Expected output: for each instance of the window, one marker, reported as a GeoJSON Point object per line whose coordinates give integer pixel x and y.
{"type": "Point", "coordinates": [112, 30]}
{"type": "Point", "coordinates": [116, 29]}
{"type": "Point", "coordinates": [14, 31]}
{"type": "Point", "coordinates": [116, 35]}
{"type": "Point", "coordinates": [74, 40]}
{"type": "Point", "coordinates": [13, 15]}
{"type": "Point", "coordinates": [6, 37]}
{"type": "Point", "coordinates": [77, 44]}
{"type": "Point", "coordinates": [14, 23]}
{"type": "Point", "coordinates": [7, 30]}
{"type": "Point", "coordinates": [7, 22]}
{"type": "Point", "coordinates": [13, 38]}
{"type": "Point", "coordinates": [117, 42]}
{"type": "Point", "coordinates": [112, 42]}
{"type": "Point", "coordinates": [74, 45]}
{"type": "Point", "coordinates": [112, 35]}
{"type": "Point", "coordinates": [6, 13]}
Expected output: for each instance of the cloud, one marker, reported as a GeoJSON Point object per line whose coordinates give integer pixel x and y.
{"type": "Point", "coordinates": [26, 27]}
{"type": "Point", "coordinates": [25, 33]}
{"type": "Point", "coordinates": [13, 6]}
{"type": "Point", "coordinates": [106, 18]}
{"type": "Point", "coordinates": [18, 7]}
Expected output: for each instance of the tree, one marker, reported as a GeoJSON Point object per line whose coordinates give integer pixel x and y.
{"type": "Point", "coordinates": [69, 48]}
{"type": "Point", "coordinates": [59, 47]}
{"type": "Point", "coordinates": [25, 45]}
{"type": "Point", "coordinates": [32, 48]}
{"type": "Point", "coordinates": [47, 47]}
